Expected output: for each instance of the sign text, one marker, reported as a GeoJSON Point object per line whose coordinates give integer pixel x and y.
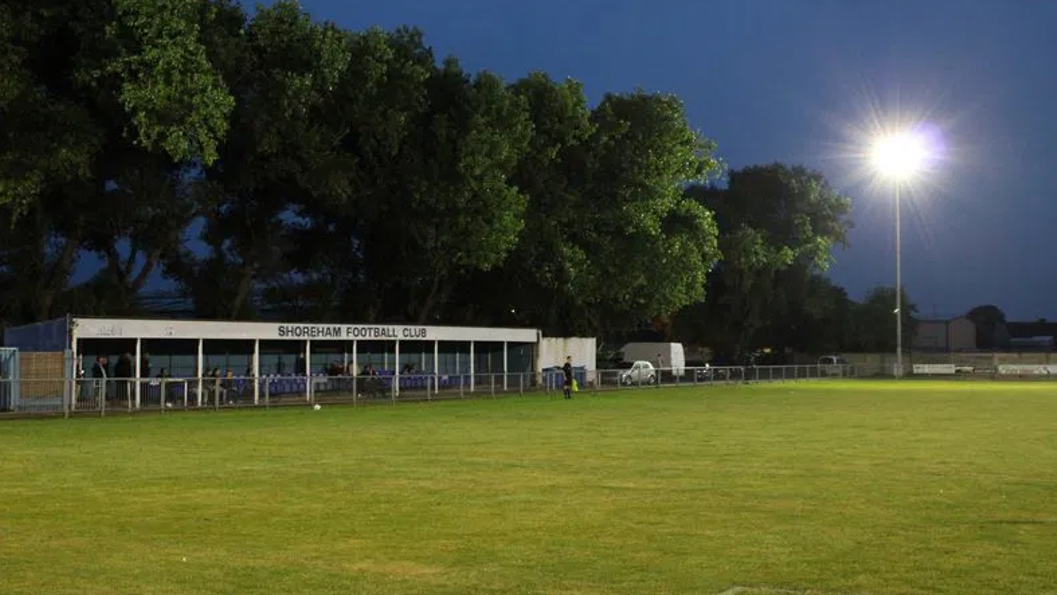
{"type": "Point", "coordinates": [337, 332]}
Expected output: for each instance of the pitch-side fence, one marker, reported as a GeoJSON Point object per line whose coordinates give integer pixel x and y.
{"type": "Point", "coordinates": [115, 395]}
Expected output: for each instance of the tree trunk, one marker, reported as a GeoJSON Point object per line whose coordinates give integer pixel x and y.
{"type": "Point", "coordinates": [431, 297]}
{"type": "Point", "coordinates": [137, 283]}
{"type": "Point", "coordinates": [241, 294]}
{"type": "Point", "coordinates": [58, 277]}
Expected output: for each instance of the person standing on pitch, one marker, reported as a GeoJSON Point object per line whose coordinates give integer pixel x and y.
{"type": "Point", "coordinates": [567, 369]}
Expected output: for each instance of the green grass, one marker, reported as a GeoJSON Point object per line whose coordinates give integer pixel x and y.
{"type": "Point", "coordinates": [870, 488]}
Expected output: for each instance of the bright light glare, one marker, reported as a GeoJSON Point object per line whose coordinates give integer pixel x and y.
{"type": "Point", "coordinates": [899, 156]}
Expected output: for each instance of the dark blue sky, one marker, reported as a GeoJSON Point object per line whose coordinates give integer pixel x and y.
{"type": "Point", "coordinates": [788, 80]}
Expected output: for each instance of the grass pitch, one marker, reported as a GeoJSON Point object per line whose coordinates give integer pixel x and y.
{"type": "Point", "coordinates": [868, 488]}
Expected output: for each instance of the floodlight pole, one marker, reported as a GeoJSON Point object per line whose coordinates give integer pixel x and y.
{"type": "Point", "coordinates": [899, 289]}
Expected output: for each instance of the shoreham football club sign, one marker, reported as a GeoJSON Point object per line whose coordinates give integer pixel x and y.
{"type": "Point", "coordinates": [338, 332]}
{"type": "Point", "coordinates": [215, 330]}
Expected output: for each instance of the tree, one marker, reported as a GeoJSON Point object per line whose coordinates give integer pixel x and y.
{"type": "Point", "coordinates": [373, 113]}
{"type": "Point", "coordinates": [990, 324]}
{"type": "Point", "coordinates": [454, 210]}
{"type": "Point", "coordinates": [169, 87]}
{"type": "Point", "coordinates": [102, 105]}
{"type": "Point", "coordinates": [433, 201]}
{"type": "Point", "coordinates": [532, 285]}
{"type": "Point", "coordinates": [810, 314]}
{"type": "Point", "coordinates": [73, 71]}
{"type": "Point", "coordinates": [281, 68]}
{"type": "Point", "coordinates": [648, 248]}
{"type": "Point", "coordinates": [873, 320]}
{"type": "Point", "coordinates": [772, 219]}
{"type": "Point", "coordinates": [270, 162]}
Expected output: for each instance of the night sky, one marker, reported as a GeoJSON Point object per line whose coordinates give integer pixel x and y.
{"type": "Point", "coordinates": [799, 81]}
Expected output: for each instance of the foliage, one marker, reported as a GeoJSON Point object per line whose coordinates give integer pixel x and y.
{"type": "Point", "coordinates": [267, 164]}
{"type": "Point", "coordinates": [874, 320]}
{"type": "Point", "coordinates": [173, 93]}
{"type": "Point", "coordinates": [280, 67]}
{"type": "Point", "coordinates": [778, 225]}
{"type": "Point", "coordinates": [648, 246]}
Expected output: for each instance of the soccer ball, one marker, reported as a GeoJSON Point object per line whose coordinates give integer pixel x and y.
{"type": "Point", "coordinates": [317, 407]}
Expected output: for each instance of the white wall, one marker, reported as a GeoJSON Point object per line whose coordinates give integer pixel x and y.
{"type": "Point", "coordinates": [554, 350]}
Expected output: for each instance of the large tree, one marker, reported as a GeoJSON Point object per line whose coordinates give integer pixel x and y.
{"type": "Point", "coordinates": [102, 104]}
{"type": "Point", "coordinates": [372, 113]}
{"type": "Point", "coordinates": [773, 220]}
{"type": "Point", "coordinates": [610, 241]}
{"type": "Point", "coordinates": [430, 199]}
{"type": "Point", "coordinates": [453, 210]}
{"type": "Point", "coordinates": [533, 284]}
{"type": "Point", "coordinates": [281, 67]}
{"type": "Point", "coordinates": [874, 321]}
{"type": "Point", "coordinates": [808, 314]}
{"type": "Point", "coordinates": [650, 247]}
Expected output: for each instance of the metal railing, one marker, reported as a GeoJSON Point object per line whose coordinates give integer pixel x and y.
{"type": "Point", "coordinates": [116, 395]}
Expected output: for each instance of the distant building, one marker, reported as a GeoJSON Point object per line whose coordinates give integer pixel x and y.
{"type": "Point", "coordinates": [1032, 336]}
{"type": "Point", "coordinates": [956, 334]}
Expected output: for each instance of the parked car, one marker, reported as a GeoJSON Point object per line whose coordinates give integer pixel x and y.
{"type": "Point", "coordinates": [832, 365]}
{"type": "Point", "coordinates": [640, 372]}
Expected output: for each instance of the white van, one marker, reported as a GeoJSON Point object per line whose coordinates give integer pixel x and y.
{"type": "Point", "coordinates": [663, 356]}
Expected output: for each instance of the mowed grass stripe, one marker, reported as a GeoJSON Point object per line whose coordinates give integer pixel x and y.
{"type": "Point", "coordinates": [851, 487]}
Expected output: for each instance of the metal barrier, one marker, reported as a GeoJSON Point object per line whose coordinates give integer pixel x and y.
{"type": "Point", "coordinates": [116, 395]}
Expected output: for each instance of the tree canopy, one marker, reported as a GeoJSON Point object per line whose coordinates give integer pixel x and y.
{"type": "Point", "coordinates": [264, 164]}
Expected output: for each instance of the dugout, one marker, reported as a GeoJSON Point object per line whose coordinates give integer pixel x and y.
{"type": "Point", "coordinates": [289, 356]}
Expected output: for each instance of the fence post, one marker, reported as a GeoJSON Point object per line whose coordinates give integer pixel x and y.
{"type": "Point", "coordinates": [66, 398]}
{"type": "Point", "coordinates": [492, 376]}
{"type": "Point", "coordinates": [267, 395]}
